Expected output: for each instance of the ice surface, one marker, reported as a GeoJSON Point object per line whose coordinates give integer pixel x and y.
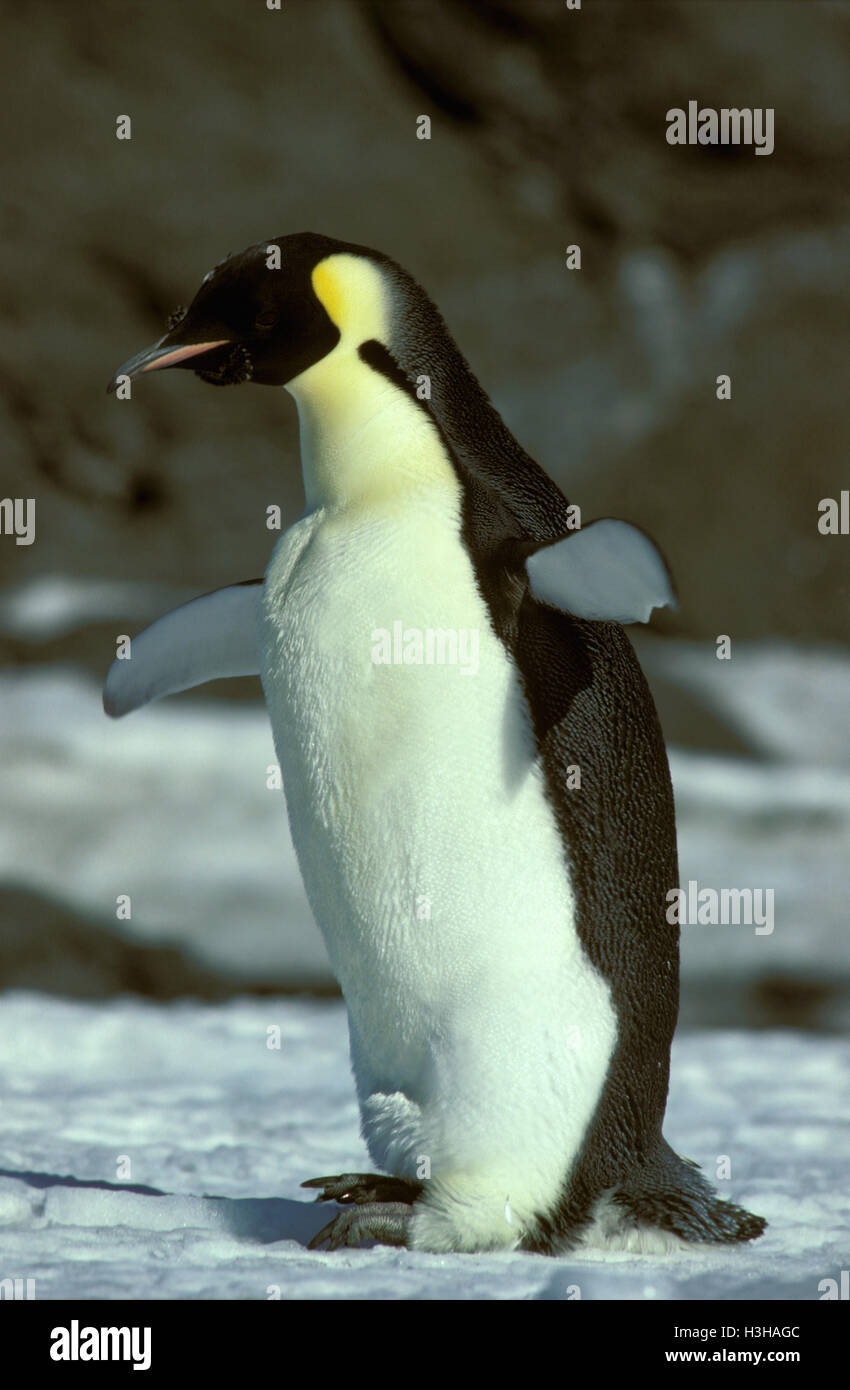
{"type": "Point", "coordinates": [172, 807]}
{"type": "Point", "coordinates": [47, 606]}
{"type": "Point", "coordinates": [219, 1130]}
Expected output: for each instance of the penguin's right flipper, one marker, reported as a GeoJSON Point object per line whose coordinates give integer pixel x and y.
{"type": "Point", "coordinates": [609, 571]}
{"type": "Point", "coordinates": [213, 636]}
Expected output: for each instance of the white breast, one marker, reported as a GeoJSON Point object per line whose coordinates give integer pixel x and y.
{"type": "Point", "coordinates": [480, 1033]}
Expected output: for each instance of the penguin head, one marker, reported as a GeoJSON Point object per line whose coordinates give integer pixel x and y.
{"type": "Point", "coordinates": [271, 312]}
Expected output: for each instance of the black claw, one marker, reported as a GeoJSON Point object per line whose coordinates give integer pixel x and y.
{"type": "Point", "coordinates": [385, 1223]}
{"type": "Point", "coordinates": [325, 1234]}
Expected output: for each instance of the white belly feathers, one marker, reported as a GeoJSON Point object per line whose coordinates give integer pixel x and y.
{"type": "Point", "coordinates": [480, 1033]}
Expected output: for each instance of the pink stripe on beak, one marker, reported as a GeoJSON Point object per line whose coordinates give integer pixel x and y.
{"type": "Point", "coordinates": [180, 354]}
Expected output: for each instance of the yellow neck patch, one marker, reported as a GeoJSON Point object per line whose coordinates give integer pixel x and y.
{"type": "Point", "coordinates": [364, 444]}
{"type": "Point", "coordinates": [353, 293]}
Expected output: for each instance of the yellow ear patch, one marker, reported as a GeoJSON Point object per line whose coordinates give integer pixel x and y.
{"type": "Point", "coordinates": [353, 293]}
{"type": "Point", "coordinates": [329, 291]}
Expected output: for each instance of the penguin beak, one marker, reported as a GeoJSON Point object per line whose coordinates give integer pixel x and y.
{"type": "Point", "coordinates": [162, 354]}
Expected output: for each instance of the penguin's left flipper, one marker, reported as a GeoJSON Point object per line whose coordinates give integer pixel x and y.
{"type": "Point", "coordinates": [609, 571]}
{"type": "Point", "coordinates": [387, 1223]}
{"type": "Point", "coordinates": [213, 636]}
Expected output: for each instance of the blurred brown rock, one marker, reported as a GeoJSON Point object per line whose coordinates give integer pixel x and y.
{"type": "Point", "coordinates": [548, 128]}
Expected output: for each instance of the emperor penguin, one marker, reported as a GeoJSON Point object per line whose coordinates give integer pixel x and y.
{"type": "Point", "coordinates": [475, 775]}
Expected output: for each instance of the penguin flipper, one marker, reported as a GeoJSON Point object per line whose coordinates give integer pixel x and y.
{"type": "Point", "coordinates": [609, 571]}
{"type": "Point", "coordinates": [212, 636]}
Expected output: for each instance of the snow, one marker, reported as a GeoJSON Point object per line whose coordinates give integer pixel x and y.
{"type": "Point", "coordinates": [789, 701]}
{"type": "Point", "coordinates": [47, 606]}
{"type": "Point", "coordinates": [224, 1128]}
{"type": "Point", "coordinates": [172, 806]}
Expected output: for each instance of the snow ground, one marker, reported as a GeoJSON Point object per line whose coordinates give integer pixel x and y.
{"type": "Point", "coordinates": [224, 1129]}
{"type": "Point", "coordinates": [172, 807]}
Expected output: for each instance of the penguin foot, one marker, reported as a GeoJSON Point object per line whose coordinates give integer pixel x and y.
{"type": "Point", "coordinates": [675, 1197]}
{"type": "Point", "coordinates": [366, 1187]}
{"type": "Point", "coordinates": [387, 1223]}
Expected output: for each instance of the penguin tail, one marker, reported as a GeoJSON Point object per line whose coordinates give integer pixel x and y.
{"type": "Point", "coordinates": [672, 1195]}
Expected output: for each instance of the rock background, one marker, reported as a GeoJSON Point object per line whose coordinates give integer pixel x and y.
{"type": "Point", "coordinates": [548, 129]}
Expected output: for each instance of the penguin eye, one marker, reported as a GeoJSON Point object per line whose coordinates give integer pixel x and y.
{"type": "Point", "coordinates": [267, 319]}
